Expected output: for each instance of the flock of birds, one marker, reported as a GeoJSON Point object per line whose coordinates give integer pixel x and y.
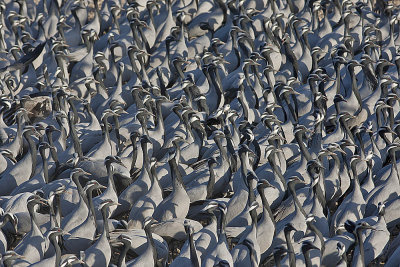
{"type": "Point", "coordinates": [207, 133]}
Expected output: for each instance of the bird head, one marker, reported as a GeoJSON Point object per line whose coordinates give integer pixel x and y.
{"type": "Point", "coordinates": [79, 172]}
{"type": "Point", "coordinates": [289, 227]}
{"type": "Point", "coordinates": [105, 204]}
{"type": "Point", "coordinates": [51, 128]}
{"type": "Point", "coordinates": [8, 154]}
{"type": "Point", "coordinates": [93, 185]}
{"type": "Point", "coordinates": [121, 240]}
{"type": "Point", "coordinates": [210, 206]}
{"type": "Point", "coordinates": [263, 183]}
{"type": "Point", "coordinates": [279, 251]}
{"type": "Point", "coordinates": [212, 162]}
{"type": "Point", "coordinates": [295, 180]}
{"type": "Point", "coordinates": [114, 159]}
{"type": "Point", "coordinates": [148, 221]}
{"type": "Point", "coordinates": [44, 145]}
{"type": "Point", "coordinates": [308, 245]}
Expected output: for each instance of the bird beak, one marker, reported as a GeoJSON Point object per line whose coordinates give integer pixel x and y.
{"type": "Point", "coordinates": [392, 132]}
{"type": "Point", "coordinates": [11, 157]}
{"type": "Point", "coordinates": [44, 202]}
{"type": "Point", "coordinates": [342, 151]}
{"type": "Point", "coordinates": [86, 173]}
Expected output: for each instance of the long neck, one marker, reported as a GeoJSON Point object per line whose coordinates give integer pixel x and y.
{"type": "Point", "coordinates": [244, 159]}
{"type": "Point", "coordinates": [251, 196]}
{"type": "Point", "coordinates": [221, 148]}
{"type": "Point", "coordinates": [391, 114]}
{"type": "Point", "coordinates": [33, 152]}
{"type": "Point", "coordinates": [236, 51]}
{"type": "Point", "coordinates": [292, 258]}
{"type": "Point", "coordinates": [292, 110]}
{"type": "Point", "coordinates": [75, 138]}
{"type": "Point", "coordinates": [136, 36]}
{"type": "Point", "coordinates": [193, 253]}
{"type": "Point", "coordinates": [57, 248]}
{"type": "Point", "coordinates": [306, 42]}
{"type": "Point", "coordinates": [91, 205]}
{"type": "Point", "coordinates": [75, 179]}
{"type": "Point", "coordinates": [346, 129]}
{"type": "Point", "coordinates": [117, 134]}
{"type": "Point", "coordinates": [222, 222]}
{"type": "Point", "coordinates": [216, 80]}
{"type": "Point", "coordinates": [266, 206]}
{"type": "Point", "coordinates": [354, 87]}
{"type": "Point", "coordinates": [106, 130]}
{"type": "Point", "coordinates": [45, 165]}
{"type": "Point", "coordinates": [319, 193]}
{"type": "Point", "coordinates": [356, 183]}
{"type": "Point", "coordinates": [257, 150]}
{"type": "Point", "coordinates": [338, 78]}
{"type": "Point", "coordinates": [134, 154]}
{"type": "Point", "coordinates": [296, 200]}
{"type": "Point", "coordinates": [151, 15]}
{"type": "Point", "coordinates": [177, 178]}
{"type": "Point", "coordinates": [211, 182]}
{"type": "Point", "coordinates": [307, 258]}
{"type": "Point", "coordinates": [74, 111]}
{"type": "Point", "coordinates": [394, 164]}
{"type": "Point", "coordinates": [33, 217]}
{"type": "Point", "coordinates": [122, 256]}
{"type": "Point", "coordinates": [160, 120]}
{"type": "Point", "coordinates": [178, 68]}
{"type": "Point", "coordinates": [302, 146]}
{"type": "Point", "coordinates": [106, 229]}
{"type": "Point", "coordinates": [243, 102]}
{"type": "Point", "coordinates": [150, 242]}
{"type": "Point", "coordinates": [146, 160]}
{"type": "Point", "coordinates": [118, 89]}
{"type": "Point", "coordinates": [362, 146]}
{"type": "Point", "coordinates": [361, 246]}
{"type": "Point", "coordinates": [63, 135]}
{"type": "Point", "coordinates": [54, 156]}
{"type": "Point", "coordinates": [314, 58]}
{"type": "Point", "coordinates": [375, 149]}
{"type": "Point", "coordinates": [235, 128]}
{"type": "Point", "coordinates": [319, 235]}
{"type": "Point", "coordinates": [292, 58]}
{"type": "Point", "coordinates": [57, 210]}
{"type": "Point", "coordinates": [154, 177]}
{"type": "Point", "coordinates": [277, 258]}
{"type": "Point", "coordinates": [135, 68]}
{"type": "Point", "coordinates": [111, 184]}
{"type": "Point", "coordinates": [277, 171]}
